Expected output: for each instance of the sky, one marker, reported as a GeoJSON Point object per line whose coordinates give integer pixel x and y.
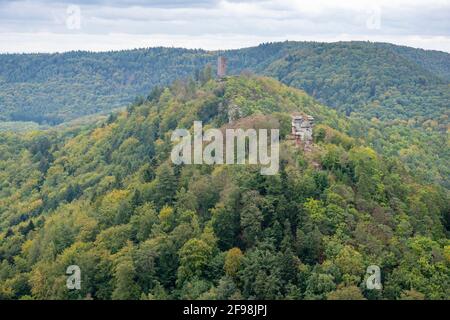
{"type": "Point", "coordinates": [101, 25]}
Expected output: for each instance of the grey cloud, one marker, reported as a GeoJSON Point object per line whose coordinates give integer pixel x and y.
{"type": "Point", "coordinates": [237, 18]}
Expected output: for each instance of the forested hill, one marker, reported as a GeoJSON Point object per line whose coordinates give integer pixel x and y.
{"type": "Point", "coordinates": [374, 80]}
{"type": "Point", "coordinates": [108, 199]}
{"type": "Point", "coordinates": [435, 61]}
{"type": "Point", "coordinates": [53, 88]}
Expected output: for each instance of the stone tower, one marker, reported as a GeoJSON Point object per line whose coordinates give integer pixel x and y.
{"type": "Point", "coordinates": [221, 67]}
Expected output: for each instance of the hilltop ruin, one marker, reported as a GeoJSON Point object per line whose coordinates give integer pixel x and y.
{"type": "Point", "coordinates": [302, 130]}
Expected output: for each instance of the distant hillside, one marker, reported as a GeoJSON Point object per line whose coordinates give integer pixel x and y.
{"type": "Point", "coordinates": [371, 79]}
{"type": "Point", "coordinates": [436, 62]}
{"type": "Point", "coordinates": [52, 88]}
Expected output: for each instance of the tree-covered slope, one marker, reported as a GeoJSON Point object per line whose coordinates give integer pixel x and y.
{"type": "Point", "coordinates": [107, 198]}
{"type": "Point", "coordinates": [371, 79]}
{"type": "Point", "coordinates": [436, 62]}
{"type": "Point", "coordinates": [53, 88]}
{"type": "Point", "coordinates": [368, 79]}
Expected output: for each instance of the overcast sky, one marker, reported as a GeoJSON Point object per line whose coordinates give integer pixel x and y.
{"type": "Point", "coordinates": [99, 25]}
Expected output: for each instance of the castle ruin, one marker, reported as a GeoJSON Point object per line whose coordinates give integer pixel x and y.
{"type": "Point", "coordinates": [302, 130]}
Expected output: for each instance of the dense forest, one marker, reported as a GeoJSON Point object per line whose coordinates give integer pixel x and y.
{"type": "Point", "coordinates": [370, 80]}
{"type": "Point", "coordinates": [370, 83]}
{"type": "Point", "coordinates": [53, 88]}
{"type": "Point", "coordinates": [106, 197]}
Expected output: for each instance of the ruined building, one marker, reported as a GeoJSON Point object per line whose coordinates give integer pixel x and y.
{"type": "Point", "coordinates": [234, 113]}
{"type": "Point", "coordinates": [302, 127]}
{"type": "Point", "coordinates": [221, 67]}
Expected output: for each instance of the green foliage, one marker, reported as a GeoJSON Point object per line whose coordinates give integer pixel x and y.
{"type": "Point", "coordinates": [372, 80]}
{"type": "Point", "coordinates": [107, 198]}
{"type": "Point", "coordinates": [346, 293]}
{"type": "Point", "coordinates": [194, 257]}
{"type": "Point", "coordinates": [126, 288]}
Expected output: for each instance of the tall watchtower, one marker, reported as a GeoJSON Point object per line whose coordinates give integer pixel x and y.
{"type": "Point", "coordinates": [221, 67]}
